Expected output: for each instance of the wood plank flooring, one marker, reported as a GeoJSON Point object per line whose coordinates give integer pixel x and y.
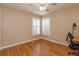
{"type": "Point", "coordinates": [36, 48]}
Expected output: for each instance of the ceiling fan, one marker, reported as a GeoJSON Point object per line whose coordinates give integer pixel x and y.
{"type": "Point", "coordinates": [43, 7]}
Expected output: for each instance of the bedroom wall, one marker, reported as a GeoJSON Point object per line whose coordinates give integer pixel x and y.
{"type": "Point", "coordinates": [61, 23]}
{"type": "Point", "coordinates": [16, 26]}
{"type": "Point", "coordinates": [0, 27]}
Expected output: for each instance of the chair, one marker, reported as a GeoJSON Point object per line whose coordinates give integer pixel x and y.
{"type": "Point", "coordinates": [72, 44]}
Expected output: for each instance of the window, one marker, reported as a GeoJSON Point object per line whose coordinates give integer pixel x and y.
{"type": "Point", "coordinates": [35, 26]}
{"type": "Point", "coordinates": [46, 26]}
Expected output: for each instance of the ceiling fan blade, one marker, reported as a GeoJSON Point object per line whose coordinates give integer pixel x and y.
{"type": "Point", "coordinates": [51, 4]}
{"type": "Point", "coordinates": [48, 5]}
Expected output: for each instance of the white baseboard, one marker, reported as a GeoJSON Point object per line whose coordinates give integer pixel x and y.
{"type": "Point", "coordinates": [32, 40]}
{"type": "Point", "coordinates": [55, 41]}
{"type": "Point", "coordinates": [58, 42]}
{"type": "Point", "coordinates": [1, 48]}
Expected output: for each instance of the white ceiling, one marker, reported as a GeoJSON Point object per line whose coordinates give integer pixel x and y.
{"type": "Point", "coordinates": [30, 7]}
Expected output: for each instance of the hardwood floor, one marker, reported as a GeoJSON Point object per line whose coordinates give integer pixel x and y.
{"type": "Point", "coordinates": [36, 48]}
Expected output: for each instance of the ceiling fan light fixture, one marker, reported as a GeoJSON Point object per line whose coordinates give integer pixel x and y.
{"type": "Point", "coordinates": [42, 8]}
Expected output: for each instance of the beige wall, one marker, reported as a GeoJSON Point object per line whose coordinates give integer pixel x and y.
{"type": "Point", "coordinates": [0, 27]}
{"type": "Point", "coordinates": [16, 26]}
{"type": "Point", "coordinates": [61, 23]}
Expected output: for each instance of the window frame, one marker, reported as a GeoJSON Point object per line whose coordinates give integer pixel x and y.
{"type": "Point", "coordinates": [44, 32]}
{"type": "Point", "coordinates": [36, 26]}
